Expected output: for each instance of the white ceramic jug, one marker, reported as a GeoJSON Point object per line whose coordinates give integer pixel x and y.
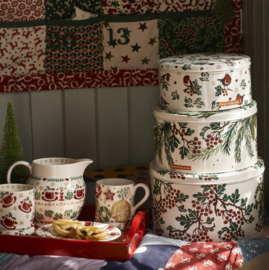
{"type": "Point", "coordinates": [60, 187]}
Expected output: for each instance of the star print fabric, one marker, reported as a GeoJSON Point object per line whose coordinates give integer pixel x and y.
{"type": "Point", "coordinates": [130, 45]}
{"type": "Point", "coordinates": [202, 255]}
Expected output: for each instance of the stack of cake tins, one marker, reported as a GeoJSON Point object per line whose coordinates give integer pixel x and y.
{"type": "Point", "coordinates": [206, 178]}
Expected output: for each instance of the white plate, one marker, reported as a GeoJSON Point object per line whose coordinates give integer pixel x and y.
{"type": "Point", "coordinates": [48, 231]}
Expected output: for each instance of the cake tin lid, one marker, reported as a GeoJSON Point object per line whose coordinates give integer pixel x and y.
{"type": "Point", "coordinates": [204, 62]}
{"type": "Point", "coordinates": [205, 116]}
{"type": "Point", "coordinates": [211, 178]}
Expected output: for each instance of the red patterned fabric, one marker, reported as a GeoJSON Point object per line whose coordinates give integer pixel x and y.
{"type": "Point", "coordinates": [232, 31]}
{"type": "Point", "coordinates": [184, 5]}
{"type": "Point", "coordinates": [202, 256]}
{"type": "Point", "coordinates": [21, 10]}
{"type": "Point", "coordinates": [96, 79]}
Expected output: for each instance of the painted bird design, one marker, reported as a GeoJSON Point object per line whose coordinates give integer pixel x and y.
{"type": "Point", "coordinates": [187, 82]}
{"type": "Point", "coordinates": [240, 99]}
{"type": "Point", "coordinates": [226, 80]}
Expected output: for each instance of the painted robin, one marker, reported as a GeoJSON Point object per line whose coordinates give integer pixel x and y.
{"type": "Point", "coordinates": [240, 99]}
{"type": "Point", "coordinates": [187, 82]}
{"type": "Point", "coordinates": [226, 80]}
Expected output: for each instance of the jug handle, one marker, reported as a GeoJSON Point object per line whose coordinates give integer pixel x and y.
{"type": "Point", "coordinates": [25, 163]}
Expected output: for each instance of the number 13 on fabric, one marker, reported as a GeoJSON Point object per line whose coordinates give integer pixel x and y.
{"type": "Point", "coordinates": [131, 44]}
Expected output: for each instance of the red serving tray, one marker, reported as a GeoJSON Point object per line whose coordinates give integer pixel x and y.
{"type": "Point", "coordinates": [120, 249]}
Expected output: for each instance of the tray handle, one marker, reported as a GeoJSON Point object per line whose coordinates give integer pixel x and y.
{"type": "Point", "coordinates": [138, 224]}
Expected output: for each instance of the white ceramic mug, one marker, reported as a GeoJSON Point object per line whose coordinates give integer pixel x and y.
{"type": "Point", "coordinates": [17, 209]}
{"type": "Point", "coordinates": [114, 199]}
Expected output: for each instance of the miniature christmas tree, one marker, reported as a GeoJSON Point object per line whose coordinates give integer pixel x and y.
{"type": "Point", "coordinates": [11, 150]}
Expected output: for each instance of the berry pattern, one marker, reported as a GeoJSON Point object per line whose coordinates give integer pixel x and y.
{"type": "Point", "coordinates": [181, 140]}
{"type": "Point", "coordinates": [211, 211]}
{"type": "Point", "coordinates": [167, 198]}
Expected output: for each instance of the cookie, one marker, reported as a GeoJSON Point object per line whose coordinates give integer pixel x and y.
{"type": "Point", "coordinates": [121, 211]}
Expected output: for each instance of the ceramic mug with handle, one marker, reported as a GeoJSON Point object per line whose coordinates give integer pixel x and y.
{"type": "Point", "coordinates": [115, 198]}
{"type": "Point", "coordinates": [17, 209]}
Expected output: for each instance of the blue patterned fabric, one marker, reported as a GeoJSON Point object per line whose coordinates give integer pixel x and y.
{"type": "Point", "coordinates": [145, 257]}
{"type": "Point", "coordinates": [253, 247]}
{"type": "Point", "coordinates": [25, 262]}
{"type": "Point", "coordinates": [4, 258]}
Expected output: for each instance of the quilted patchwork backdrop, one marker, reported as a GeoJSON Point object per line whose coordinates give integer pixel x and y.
{"type": "Point", "coordinates": [44, 47]}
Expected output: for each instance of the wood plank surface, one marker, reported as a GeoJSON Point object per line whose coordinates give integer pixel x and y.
{"type": "Point", "coordinates": [47, 123]}
{"type": "Point", "coordinates": [80, 124]}
{"type": "Point", "coordinates": [112, 126]}
{"type": "Point", "coordinates": [142, 99]}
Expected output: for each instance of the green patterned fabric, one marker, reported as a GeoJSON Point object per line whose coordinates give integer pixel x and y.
{"type": "Point", "coordinates": [63, 9]}
{"type": "Point", "coordinates": [191, 35]}
{"type": "Point", "coordinates": [74, 49]}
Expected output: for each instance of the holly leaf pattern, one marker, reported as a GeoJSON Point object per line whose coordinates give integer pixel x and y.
{"type": "Point", "coordinates": [234, 198]}
{"type": "Point", "coordinates": [188, 102]}
{"type": "Point", "coordinates": [182, 198]}
{"type": "Point", "coordinates": [174, 142]}
{"type": "Point", "coordinates": [215, 125]}
{"type": "Point", "coordinates": [199, 103]}
{"type": "Point", "coordinates": [201, 197]}
{"type": "Point", "coordinates": [181, 208]}
{"type": "Point", "coordinates": [197, 88]}
{"type": "Point", "coordinates": [204, 130]}
{"type": "Point", "coordinates": [157, 187]}
{"type": "Point", "coordinates": [218, 91]}
{"type": "Point", "coordinates": [204, 76]}
{"type": "Point", "coordinates": [183, 151]}
{"type": "Point", "coordinates": [220, 189]}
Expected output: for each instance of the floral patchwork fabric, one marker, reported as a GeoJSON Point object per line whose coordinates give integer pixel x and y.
{"type": "Point", "coordinates": [201, 255]}
{"type": "Point", "coordinates": [189, 35]}
{"type": "Point", "coordinates": [121, 40]}
{"type": "Point", "coordinates": [21, 10]}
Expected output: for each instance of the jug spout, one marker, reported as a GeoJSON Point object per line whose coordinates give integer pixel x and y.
{"type": "Point", "coordinates": [83, 163]}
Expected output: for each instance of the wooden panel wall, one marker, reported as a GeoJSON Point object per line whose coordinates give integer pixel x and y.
{"type": "Point", "coordinates": [255, 14]}
{"type": "Point", "coordinates": [113, 127]}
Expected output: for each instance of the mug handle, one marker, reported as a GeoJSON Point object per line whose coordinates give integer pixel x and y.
{"type": "Point", "coordinates": [25, 163]}
{"type": "Point", "coordinates": [147, 192]}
